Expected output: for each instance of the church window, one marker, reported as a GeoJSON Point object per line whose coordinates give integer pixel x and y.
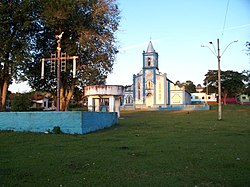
{"type": "Point", "coordinates": [138, 90]}
{"type": "Point", "coordinates": [129, 99]}
{"type": "Point", "coordinates": [149, 85]}
{"type": "Point", "coordinates": [149, 61]}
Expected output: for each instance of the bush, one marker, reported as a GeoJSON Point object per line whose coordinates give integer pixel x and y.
{"type": "Point", "coordinates": [57, 130]}
{"type": "Point", "coordinates": [21, 102]}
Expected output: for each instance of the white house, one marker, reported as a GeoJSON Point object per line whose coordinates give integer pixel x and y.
{"type": "Point", "coordinates": [201, 97]}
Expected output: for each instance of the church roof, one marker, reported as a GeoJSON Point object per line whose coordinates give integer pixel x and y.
{"type": "Point", "coordinates": [150, 48]}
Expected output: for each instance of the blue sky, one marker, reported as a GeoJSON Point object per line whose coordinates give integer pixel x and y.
{"type": "Point", "coordinates": [177, 29]}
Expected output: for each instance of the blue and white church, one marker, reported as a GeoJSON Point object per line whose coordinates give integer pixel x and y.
{"type": "Point", "coordinates": [151, 88]}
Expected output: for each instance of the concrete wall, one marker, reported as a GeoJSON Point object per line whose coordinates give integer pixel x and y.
{"type": "Point", "coordinates": [69, 122]}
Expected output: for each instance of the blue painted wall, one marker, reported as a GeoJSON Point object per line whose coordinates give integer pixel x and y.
{"type": "Point", "coordinates": [69, 122]}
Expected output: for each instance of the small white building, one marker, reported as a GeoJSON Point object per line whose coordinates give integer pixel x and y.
{"type": "Point", "coordinates": [104, 98]}
{"type": "Point", "coordinates": [179, 96]}
{"type": "Point", "coordinates": [201, 97]}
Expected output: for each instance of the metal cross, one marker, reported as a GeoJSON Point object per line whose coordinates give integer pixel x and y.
{"type": "Point", "coordinates": [59, 59]}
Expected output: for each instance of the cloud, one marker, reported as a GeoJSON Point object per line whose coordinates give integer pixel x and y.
{"type": "Point", "coordinates": [138, 45]}
{"type": "Point", "coordinates": [133, 46]}
{"type": "Point", "coordinates": [237, 27]}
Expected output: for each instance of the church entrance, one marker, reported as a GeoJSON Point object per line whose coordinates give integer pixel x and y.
{"type": "Point", "coordinates": [149, 100]}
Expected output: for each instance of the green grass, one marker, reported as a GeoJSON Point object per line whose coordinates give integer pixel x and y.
{"type": "Point", "coordinates": [147, 148]}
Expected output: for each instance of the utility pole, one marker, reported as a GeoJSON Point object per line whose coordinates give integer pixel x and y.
{"type": "Point", "coordinates": [219, 81]}
{"type": "Point", "coordinates": [60, 60]}
{"type": "Point", "coordinates": [217, 54]}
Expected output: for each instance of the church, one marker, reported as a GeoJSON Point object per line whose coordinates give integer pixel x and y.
{"type": "Point", "coordinates": [153, 89]}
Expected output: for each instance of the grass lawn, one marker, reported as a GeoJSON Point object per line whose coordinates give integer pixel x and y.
{"type": "Point", "coordinates": [147, 148]}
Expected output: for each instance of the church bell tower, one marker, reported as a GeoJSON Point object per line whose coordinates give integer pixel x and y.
{"type": "Point", "coordinates": [150, 58]}
{"type": "Point", "coordinates": [150, 68]}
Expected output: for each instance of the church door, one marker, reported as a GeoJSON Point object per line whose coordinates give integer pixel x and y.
{"type": "Point", "coordinates": [149, 100]}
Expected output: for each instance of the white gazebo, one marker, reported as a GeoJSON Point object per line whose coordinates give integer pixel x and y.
{"type": "Point", "coordinates": [104, 98]}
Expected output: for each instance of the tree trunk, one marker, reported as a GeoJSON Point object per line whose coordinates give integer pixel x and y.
{"type": "Point", "coordinates": [225, 98]}
{"type": "Point", "coordinates": [4, 95]}
{"type": "Point", "coordinates": [0, 97]}
{"type": "Point", "coordinates": [65, 96]}
{"type": "Point", "coordinates": [68, 96]}
{"type": "Point", "coordinates": [62, 99]}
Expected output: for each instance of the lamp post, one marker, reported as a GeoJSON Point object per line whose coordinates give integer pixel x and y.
{"type": "Point", "coordinates": [217, 54]}
{"type": "Point", "coordinates": [219, 81]}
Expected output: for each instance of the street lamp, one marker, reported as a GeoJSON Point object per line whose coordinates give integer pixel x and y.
{"type": "Point", "coordinates": [217, 54]}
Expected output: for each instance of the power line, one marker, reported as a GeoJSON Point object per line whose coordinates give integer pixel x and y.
{"type": "Point", "coordinates": [225, 19]}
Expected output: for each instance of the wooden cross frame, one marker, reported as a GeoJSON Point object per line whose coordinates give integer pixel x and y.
{"type": "Point", "coordinates": [57, 59]}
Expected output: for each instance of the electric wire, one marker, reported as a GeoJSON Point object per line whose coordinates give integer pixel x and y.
{"type": "Point", "coordinates": [223, 29]}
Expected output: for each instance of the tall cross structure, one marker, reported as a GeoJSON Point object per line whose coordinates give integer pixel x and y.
{"type": "Point", "coordinates": [59, 61]}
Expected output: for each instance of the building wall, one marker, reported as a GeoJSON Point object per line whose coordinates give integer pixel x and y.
{"type": "Point", "coordinates": [69, 122]}
{"type": "Point", "coordinates": [244, 99]}
{"type": "Point", "coordinates": [160, 90]}
{"type": "Point", "coordinates": [138, 91]}
{"type": "Point", "coordinates": [176, 94]}
{"type": "Point", "coordinates": [202, 97]}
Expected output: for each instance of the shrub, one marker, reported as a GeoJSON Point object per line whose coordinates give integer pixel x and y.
{"type": "Point", "coordinates": [56, 130]}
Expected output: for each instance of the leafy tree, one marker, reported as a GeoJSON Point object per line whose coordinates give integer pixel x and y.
{"type": "Point", "coordinates": [247, 85]}
{"type": "Point", "coordinates": [232, 82]}
{"type": "Point", "coordinates": [248, 48]}
{"type": "Point", "coordinates": [21, 102]}
{"type": "Point", "coordinates": [89, 32]}
{"type": "Point", "coordinates": [189, 86]}
{"type": "Point", "coordinates": [247, 72]}
{"type": "Point", "coordinates": [17, 29]}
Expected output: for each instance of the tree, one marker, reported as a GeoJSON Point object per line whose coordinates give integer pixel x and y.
{"type": "Point", "coordinates": [247, 84]}
{"type": "Point", "coordinates": [21, 102]}
{"type": "Point", "coordinates": [248, 48]}
{"type": "Point", "coordinates": [89, 32]}
{"type": "Point", "coordinates": [232, 82]}
{"type": "Point", "coordinates": [189, 86]}
{"type": "Point", "coordinates": [247, 72]}
{"type": "Point", "coordinates": [16, 36]}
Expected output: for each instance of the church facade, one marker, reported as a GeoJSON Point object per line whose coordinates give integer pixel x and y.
{"type": "Point", "coordinates": [151, 88]}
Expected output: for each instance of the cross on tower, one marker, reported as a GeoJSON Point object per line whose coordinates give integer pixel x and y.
{"type": "Point", "coordinates": [58, 63]}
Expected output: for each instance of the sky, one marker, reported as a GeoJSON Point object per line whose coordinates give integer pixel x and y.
{"type": "Point", "coordinates": [177, 29]}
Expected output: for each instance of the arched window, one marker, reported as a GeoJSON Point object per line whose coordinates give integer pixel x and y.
{"type": "Point", "coordinates": [129, 99]}
{"type": "Point", "coordinates": [138, 90]}
{"type": "Point", "coordinates": [149, 61]}
{"type": "Point", "coordinates": [149, 85]}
